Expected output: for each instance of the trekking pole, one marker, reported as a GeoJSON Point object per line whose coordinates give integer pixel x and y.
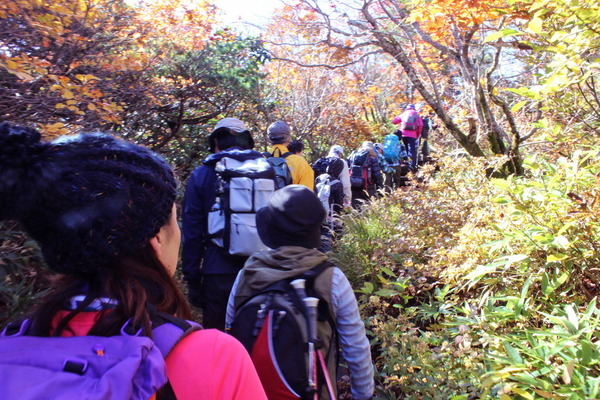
{"type": "Point", "coordinates": [299, 285]}
{"type": "Point", "coordinates": [311, 304]}
{"type": "Point", "coordinates": [326, 374]}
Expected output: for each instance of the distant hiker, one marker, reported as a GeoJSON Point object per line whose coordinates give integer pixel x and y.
{"type": "Point", "coordinates": [336, 152]}
{"type": "Point", "coordinates": [280, 136]}
{"type": "Point", "coordinates": [296, 147]}
{"type": "Point", "coordinates": [209, 262]}
{"type": "Point", "coordinates": [386, 169]}
{"type": "Point", "coordinates": [428, 127]}
{"type": "Point", "coordinates": [394, 153]}
{"type": "Point", "coordinates": [259, 312]}
{"type": "Point", "coordinates": [410, 127]}
{"type": "Point", "coordinates": [330, 191]}
{"type": "Point", "coordinates": [365, 174]}
{"type": "Point", "coordinates": [113, 324]}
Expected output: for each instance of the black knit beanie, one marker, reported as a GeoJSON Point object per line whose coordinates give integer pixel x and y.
{"type": "Point", "coordinates": [87, 199]}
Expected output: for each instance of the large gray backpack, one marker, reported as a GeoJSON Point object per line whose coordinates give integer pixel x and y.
{"type": "Point", "coordinates": [244, 186]}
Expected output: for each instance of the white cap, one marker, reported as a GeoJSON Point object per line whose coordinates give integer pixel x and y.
{"type": "Point", "coordinates": [232, 123]}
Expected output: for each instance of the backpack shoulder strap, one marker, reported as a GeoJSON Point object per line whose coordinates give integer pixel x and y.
{"type": "Point", "coordinates": [286, 154]}
{"type": "Point", "coordinates": [312, 274]}
{"type": "Point", "coordinates": [169, 330]}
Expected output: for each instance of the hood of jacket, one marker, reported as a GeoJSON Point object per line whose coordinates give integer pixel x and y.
{"type": "Point", "coordinates": [266, 267]}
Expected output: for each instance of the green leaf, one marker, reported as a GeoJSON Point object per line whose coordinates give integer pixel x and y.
{"type": "Point", "coordinates": [386, 293]}
{"type": "Point", "coordinates": [367, 288]}
{"type": "Point", "coordinates": [525, 378]}
{"type": "Point", "coordinates": [573, 318]}
{"type": "Point", "coordinates": [586, 352]}
{"type": "Point", "coordinates": [501, 34]}
{"type": "Point", "coordinates": [502, 200]}
{"type": "Point", "coordinates": [512, 353]}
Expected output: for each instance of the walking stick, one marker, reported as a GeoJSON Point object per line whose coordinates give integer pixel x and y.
{"type": "Point", "coordinates": [326, 374]}
{"type": "Point", "coordinates": [311, 304]}
{"type": "Point", "coordinates": [299, 285]}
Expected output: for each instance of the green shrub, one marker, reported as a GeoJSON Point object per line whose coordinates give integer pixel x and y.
{"type": "Point", "coordinates": [469, 278]}
{"type": "Point", "coordinates": [23, 276]}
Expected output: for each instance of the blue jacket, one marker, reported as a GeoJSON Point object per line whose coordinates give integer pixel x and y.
{"type": "Point", "coordinates": [199, 255]}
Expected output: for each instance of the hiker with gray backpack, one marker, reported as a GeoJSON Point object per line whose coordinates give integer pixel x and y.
{"type": "Point", "coordinates": [114, 324]}
{"type": "Point", "coordinates": [294, 311]}
{"type": "Point", "coordinates": [365, 174]}
{"type": "Point", "coordinates": [219, 207]}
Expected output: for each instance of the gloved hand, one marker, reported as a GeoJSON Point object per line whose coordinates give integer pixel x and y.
{"type": "Point", "coordinates": [195, 293]}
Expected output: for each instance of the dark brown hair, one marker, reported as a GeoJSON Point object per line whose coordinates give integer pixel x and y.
{"type": "Point", "coordinates": [139, 283]}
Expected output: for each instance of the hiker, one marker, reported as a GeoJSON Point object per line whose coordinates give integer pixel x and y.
{"type": "Point", "coordinates": [365, 174]}
{"type": "Point", "coordinates": [291, 226]}
{"type": "Point", "coordinates": [428, 127]}
{"type": "Point", "coordinates": [280, 136]}
{"type": "Point", "coordinates": [208, 268]}
{"type": "Point", "coordinates": [409, 131]}
{"type": "Point", "coordinates": [336, 152]}
{"type": "Point", "coordinates": [386, 169]}
{"type": "Point", "coordinates": [394, 153]}
{"type": "Point", "coordinates": [296, 147]}
{"type": "Point", "coordinates": [103, 213]}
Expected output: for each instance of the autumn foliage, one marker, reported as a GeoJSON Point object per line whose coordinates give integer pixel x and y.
{"type": "Point", "coordinates": [76, 64]}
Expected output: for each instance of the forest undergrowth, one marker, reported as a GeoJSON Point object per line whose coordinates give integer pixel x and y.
{"type": "Point", "coordinates": [477, 288]}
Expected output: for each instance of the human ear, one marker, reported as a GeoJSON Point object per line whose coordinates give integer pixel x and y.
{"type": "Point", "coordinates": [156, 243]}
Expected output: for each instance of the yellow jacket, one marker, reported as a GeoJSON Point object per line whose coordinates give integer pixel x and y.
{"type": "Point", "coordinates": [302, 172]}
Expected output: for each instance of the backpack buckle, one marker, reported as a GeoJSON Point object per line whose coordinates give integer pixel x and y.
{"type": "Point", "coordinates": [76, 366]}
{"type": "Point", "coordinates": [17, 328]}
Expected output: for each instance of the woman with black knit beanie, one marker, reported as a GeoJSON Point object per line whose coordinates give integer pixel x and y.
{"type": "Point", "coordinates": [102, 210]}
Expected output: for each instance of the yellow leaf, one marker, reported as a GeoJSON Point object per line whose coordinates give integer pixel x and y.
{"type": "Point", "coordinates": [91, 107]}
{"type": "Point", "coordinates": [67, 94]}
{"type": "Point", "coordinates": [56, 125]}
{"type": "Point", "coordinates": [535, 25]}
{"type": "Point", "coordinates": [522, 393]}
{"type": "Point", "coordinates": [545, 395]}
{"type": "Point", "coordinates": [11, 64]}
{"type": "Point", "coordinates": [60, 105]}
